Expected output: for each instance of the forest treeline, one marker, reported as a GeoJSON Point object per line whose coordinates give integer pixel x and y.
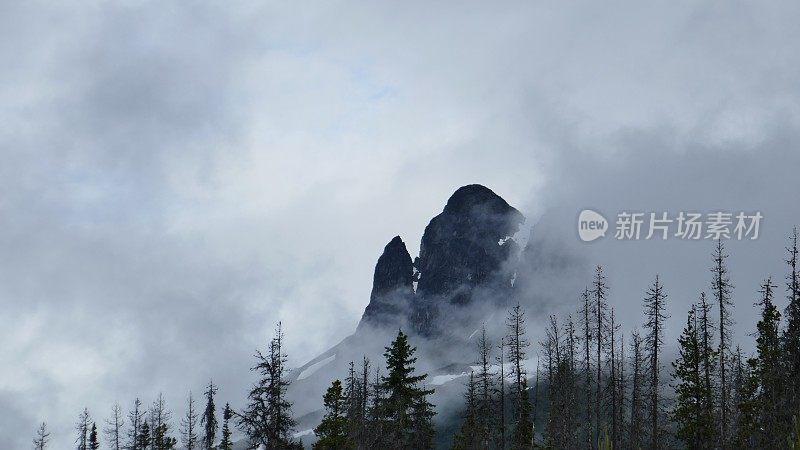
{"type": "Point", "coordinates": [593, 386]}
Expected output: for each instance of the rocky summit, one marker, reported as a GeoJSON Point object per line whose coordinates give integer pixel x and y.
{"type": "Point", "coordinates": [464, 249]}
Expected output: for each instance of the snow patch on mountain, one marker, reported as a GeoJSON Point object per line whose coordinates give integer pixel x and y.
{"type": "Point", "coordinates": [310, 370]}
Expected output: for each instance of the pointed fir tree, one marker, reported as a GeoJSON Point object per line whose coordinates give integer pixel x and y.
{"type": "Point", "coordinates": [483, 378]}
{"type": "Point", "coordinates": [468, 438]}
{"type": "Point", "coordinates": [161, 439]}
{"type": "Point", "coordinates": [722, 288]}
{"type": "Point", "coordinates": [694, 423]}
{"type": "Point", "coordinates": [94, 442]}
{"type": "Point", "coordinates": [500, 392]}
{"type": "Point", "coordinates": [791, 334]}
{"type": "Point", "coordinates": [599, 308]}
{"type": "Point", "coordinates": [332, 432]}
{"type": "Point", "coordinates": [136, 419]}
{"type": "Point", "coordinates": [517, 347]}
{"type": "Point", "coordinates": [160, 427]}
{"type": "Point", "coordinates": [208, 421]}
{"type": "Point", "coordinates": [42, 437]}
{"type": "Point", "coordinates": [404, 406]}
{"type": "Point", "coordinates": [143, 438]}
{"type": "Point", "coordinates": [636, 426]}
{"type": "Point", "coordinates": [655, 315]}
{"type": "Point", "coordinates": [226, 443]}
{"type": "Point", "coordinates": [768, 370]}
{"type": "Point", "coordinates": [188, 429]}
{"type": "Point", "coordinates": [114, 428]}
{"type": "Point", "coordinates": [708, 361]}
{"type": "Point", "coordinates": [522, 436]}
{"type": "Point", "coordinates": [82, 427]}
{"type": "Point", "coordinates": [585, 315]}
{"type": "Point", "coordinates": [267, 420]}
{"type": "Point", "coordinates": [747, 404]}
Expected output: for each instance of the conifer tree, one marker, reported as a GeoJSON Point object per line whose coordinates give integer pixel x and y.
{"type": "Point", "coordinates": [614, 382]}
{"type": "Point", "coordinates": [405, 406]}
{"type": "Point", "coordinates": [161, 439]}
{"type": "Point", "coordinates": [517, 348]}
{"type": "Point", "coordinates": [722, 288]}
{"type": "Point", "coordinates": [708, 361]}
{"type": "Point", "coordinates": [94, 442]}
{"type": "Point", "coordinates": [42, 437]}
{"type": "Point", "coordinates": [82, 427]}
{"type": "Point", "coordinates": [226, 443]}
{"type": "Point", "coordinates": [599, 307]}
{"type": "Point", "coordinates": [332, 432]}
{"type": "Point", "coordinates": [747, 404]}
{"type": "Point", "coordinates": [143, 438]}
{"type": "Point", "coordinates": [267, 419]}
{"type": "Point", "coordinates": [485, 411]}
{"type": "Point", "coordinates": [208, 421]}
{"type": "Point", "coordinates": [586, 316]}
{"type": "Point", "coordinates": [501, 395]}
{"type": "Point", "coordinates": [768, 370]}
{"type": "Point", "coordinates": [160, 427]}
{"type": "Point", "coordinates": [136, 418]}
{"type": "Point", "coordinates": [636, 426]}
{"type": "Point", "coordinates": [114, 426]}
{"type": "Point", "coordinates": [467, 437]}
{"type": "Point", "coordinates": [694, 423]}
{"type": "Point", "coordinates": [522, 438]}
{"type": "Point", "coordinates": [791, 334]}
{"type": "Point", "coordinates": [188, 428]}
{"type": "Point", "coordinates": [655, 315]}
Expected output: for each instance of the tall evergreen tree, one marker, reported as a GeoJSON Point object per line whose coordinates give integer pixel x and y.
{"type": "Point", "coordinates": [708, 361]}
{"type": "Point", "coordinates": [722, 288]}
{"type": "Point", "coordinates": [599, 308]}
{"type": "Point", "coordinates": [226, 443]}
{"type": "Point", "coordinates": [747, 404]}
{"type": "Point", "coordinates": [114, 426]}
{"type": "Point", "coordinates": [485, 410]}
{"type": "Point", "coordinates": [94, 442]}
{"type": "Point", "coordinates": [208, 421]}
{"type": "Point", "coordinates": [614, 382]}
{"type": "Point", "coordinates": [160, 427]}
{"type": "Point", "coordinates": [143, 439]}
{"type": "Point", "coordinates": [82, 427]}
{"type": "Point", "coordinates": [501, 395]}
{"type": "Point", "coordinates": [791, 334]}
{"type": "Point", "coordinates": [404, 405]}
{"type": "Point", "coordinates": [188, 428]}
{"type": "Point", "coordinates": [468, 438]}
{"type": "Point", "coordinates": [585, 314]}
{"type": "Point", "coordinates": [332, 432]}
{"type": "Point", "coordinates": [42, 437]}
{"type": "Point", "coordinates": [161, 439]}
{"type": "Point", "coordinates": [517, 348]}
{"type": "Point", "coordinates": [636, 427]}
{"type": "Point", "coordinates": [768, 370]}
{"type": "Point", "coordinates": [694, 422]}
{"type": "Point", "coordinates": [655, 315]}
{"type": "Point", "coordinates": [267, 419]}
{"type": "Point", "coordinates": [136, 419]}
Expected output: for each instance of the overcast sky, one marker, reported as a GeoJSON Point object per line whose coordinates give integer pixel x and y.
{"type": "Point", "coordinates": [175, 178]}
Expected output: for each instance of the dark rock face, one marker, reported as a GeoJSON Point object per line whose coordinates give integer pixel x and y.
{"type": "Point", "coordinates": [392, 288]}
{"type": "Point", "coordinates": [463, 249]}
{"type": "Point", "coordinates": [467, 244]}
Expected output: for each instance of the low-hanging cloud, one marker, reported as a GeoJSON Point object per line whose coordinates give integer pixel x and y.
{"type": "Point", "coordinates": [175, 179]}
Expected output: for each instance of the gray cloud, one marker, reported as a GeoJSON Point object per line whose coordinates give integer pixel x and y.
{"type": "Point", "coordinates": [176, 179]}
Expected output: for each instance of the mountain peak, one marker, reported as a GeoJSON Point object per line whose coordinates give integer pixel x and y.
{"type": "Point", "coordinates": [467, 197]}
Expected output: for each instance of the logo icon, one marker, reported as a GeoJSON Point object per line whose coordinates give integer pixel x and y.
{"type": "Point", "coordinates": [591, 225]}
